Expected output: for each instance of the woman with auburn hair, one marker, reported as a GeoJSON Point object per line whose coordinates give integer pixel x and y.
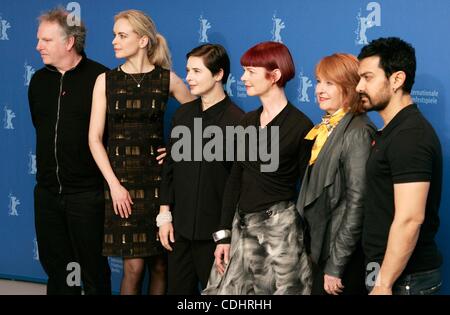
{"type": "Point", "coordinates": [132, 99]}
{"type": "Point", "coordinates": [261, 250]}
{"type": "Point", "coordinates": [332, 190]}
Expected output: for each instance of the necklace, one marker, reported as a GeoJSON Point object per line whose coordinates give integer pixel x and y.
{"type": "Point", "coordinates": [138, 82]}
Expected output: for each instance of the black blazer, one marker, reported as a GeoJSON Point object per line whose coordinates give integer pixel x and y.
{"type": "Point", "coordinates": [331, 195]}
{"type": "Point", "coordinates": [194, 189]}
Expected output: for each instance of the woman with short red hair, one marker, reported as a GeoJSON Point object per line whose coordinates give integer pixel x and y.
{"type": "Point", "coordinates": [266, 254]}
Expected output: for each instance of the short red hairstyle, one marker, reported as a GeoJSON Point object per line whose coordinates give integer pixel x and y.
{"type": "Point", "coordinates": [342, 69]}
{"type": "Point", "coordinates": [271, 55]}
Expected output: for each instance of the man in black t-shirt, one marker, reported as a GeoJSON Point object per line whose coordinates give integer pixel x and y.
{"type": "Point", "coordinates": [404, 176]}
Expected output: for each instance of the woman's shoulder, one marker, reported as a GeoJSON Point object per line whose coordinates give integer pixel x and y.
{"type": "Point", "coordinates": [360, 128]}
{"type": "Point", "coordinates": [299, 117]}
{"type": "Point", "coordinates": [188, 108]}
{"type": "Point", "coordinates": [233, 109]}
{"type": "Point", "coordinates": [114, 73]}
{"type": "Point", "coordinates": [361, 121]}
{"type": "Point", "coordinates": [250, 118]}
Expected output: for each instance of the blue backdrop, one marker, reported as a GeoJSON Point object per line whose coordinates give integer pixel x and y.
{"type": "Point", "coordinates": [310, 28]}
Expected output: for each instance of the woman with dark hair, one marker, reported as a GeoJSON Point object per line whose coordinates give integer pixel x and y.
{"type": "Point", "coordinates": [192, 189]}
{"type": "Point", "coordinates": [332, 191]}
{"type": "Point", "coordinates": [266, 254]}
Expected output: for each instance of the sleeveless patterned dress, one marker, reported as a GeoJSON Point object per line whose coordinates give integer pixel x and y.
{"type": "Point", "coordinates": [135, 114]}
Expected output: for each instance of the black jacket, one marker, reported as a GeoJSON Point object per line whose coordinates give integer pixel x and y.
{"type": "Point", "coordinates": [331, 196]}
{"type": "Point", "coordinates": [60, 108]}
{"type": "Point", "coordinates": [195, 189]}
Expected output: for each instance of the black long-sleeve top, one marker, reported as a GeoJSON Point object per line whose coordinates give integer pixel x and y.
{"type": "Point", "coordinates": [194, 189]}
{"type": "Point", "coordinates": [254, 190]}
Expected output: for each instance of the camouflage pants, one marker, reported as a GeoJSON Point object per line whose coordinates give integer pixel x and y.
{"type": "Point", "coordinates": [267, 255]}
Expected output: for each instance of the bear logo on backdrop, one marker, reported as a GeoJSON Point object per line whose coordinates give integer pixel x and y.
{"type": "Point", "coordinates": [305, 84]}
{"type": "Point", "coordinates": [230, 81]}
{"type": "Point", "coordinates": [204, 27]}
{"type": "Point", "coordinates": [14, 202]}
{"type": "Point", "coordinates": [32, 163]}
{"type": "Point", "coordinates": [372, 19]}
{"type": "Point", "coordinates": [7, 119]}
{"type": "Point", "coordinates": [277, 26]}
{"type": "Point", "coordinates": [29, 71]}
{"type": "Point", "coordinates": [4, 26]}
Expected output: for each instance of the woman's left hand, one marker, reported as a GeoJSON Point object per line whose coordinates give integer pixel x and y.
{"type": "Point", "coordinates": [332, 285]}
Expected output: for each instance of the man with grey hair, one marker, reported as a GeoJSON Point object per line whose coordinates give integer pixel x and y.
{"type": "Point", "coordinates": [68, 197]}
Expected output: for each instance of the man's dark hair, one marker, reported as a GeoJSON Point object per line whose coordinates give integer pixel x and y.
{"type": "Point", "coordinates": [395, 55]}
{"type": "Point", "coordinates": [214, 57]}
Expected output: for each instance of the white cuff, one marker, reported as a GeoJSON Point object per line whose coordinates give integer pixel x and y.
{"type": "Point", "coordinates": [220, 235]}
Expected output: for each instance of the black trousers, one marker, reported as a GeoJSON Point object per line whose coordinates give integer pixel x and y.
{"type": "Point", "coordinates": [69, 229]}
{"type": "Point", "coordinates": [189, 264]}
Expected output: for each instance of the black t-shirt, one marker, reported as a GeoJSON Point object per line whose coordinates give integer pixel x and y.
{"type": "Point", "coordinates": [255, 190]}
{"type": "Point", "coordinates": [406, 150]}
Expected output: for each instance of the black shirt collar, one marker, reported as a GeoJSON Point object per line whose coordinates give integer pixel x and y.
{"type": "Point", "coordinates": [399, 118]}
{"type": "Point", "coordinates": [78, 66]}
{"type": "Point", "coordinates": [215, 109]}
{"type": "Point", "coordinates": [278, 119]}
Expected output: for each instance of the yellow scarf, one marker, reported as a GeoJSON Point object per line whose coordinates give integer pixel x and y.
{"type": "Point", "coordinates": [321, 131]}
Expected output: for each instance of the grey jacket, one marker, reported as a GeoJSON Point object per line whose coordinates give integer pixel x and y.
{"type": "Point", "coordinates": [331, 196]}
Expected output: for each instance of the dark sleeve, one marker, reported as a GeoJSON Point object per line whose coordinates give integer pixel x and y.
{"type": "Point", "coordinates": [304, 153]}
{"type": "Point", "coordinates": [233, 186]}
{"type": "Point", "coordinates": [31, 101]}
{"type": "Point", "coordinates": [231, 196]}
{"type": "Point", "coordinates": [411, 157]}
{"type": "Point", "coordinates": [167, 194]}
{"type": "Point", "coordinates": [356, 150]}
